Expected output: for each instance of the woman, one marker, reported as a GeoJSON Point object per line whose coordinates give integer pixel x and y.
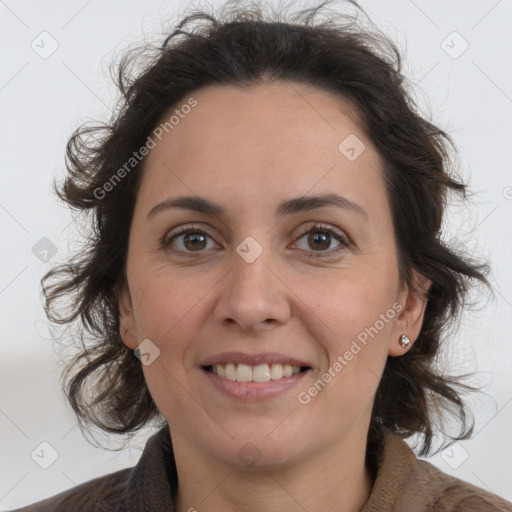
{"type": "Point", "coordinates": [266, 276]}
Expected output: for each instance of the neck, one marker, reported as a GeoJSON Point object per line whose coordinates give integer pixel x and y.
{"type": "Point", "coordinates": [336, 479]}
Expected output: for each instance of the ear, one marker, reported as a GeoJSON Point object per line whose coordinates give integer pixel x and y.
{"type": "Point", "coordinates": [127, 324]}
{"type": "Point", "coordinates": [410, 318]}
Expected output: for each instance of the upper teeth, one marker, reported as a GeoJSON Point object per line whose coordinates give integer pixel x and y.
{"type": "Point", "coordinates": [260, 373]}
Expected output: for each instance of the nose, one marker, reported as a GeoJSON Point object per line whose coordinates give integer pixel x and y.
{"type": "Point", "coordinates": [253, 297]}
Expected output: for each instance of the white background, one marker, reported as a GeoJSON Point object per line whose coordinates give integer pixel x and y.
{"type": "Point", "coordinates": [43, 100]}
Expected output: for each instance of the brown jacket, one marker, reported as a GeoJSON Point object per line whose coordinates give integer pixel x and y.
{"type": "Point", "coordinates": [403, 483]}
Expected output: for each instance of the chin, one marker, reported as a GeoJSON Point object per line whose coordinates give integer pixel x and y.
{"type": "Point", "coordinates": [253, 451]}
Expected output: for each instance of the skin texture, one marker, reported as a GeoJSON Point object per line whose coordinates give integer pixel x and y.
{"type": "Point", "coordinates": [248, 149]}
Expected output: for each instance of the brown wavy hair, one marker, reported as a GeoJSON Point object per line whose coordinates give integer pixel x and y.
{"type": "Point", "coordinates": [244, 45]}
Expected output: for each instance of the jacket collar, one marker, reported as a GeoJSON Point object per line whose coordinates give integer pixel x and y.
{"type": "Point", "coordinates": [153, 481]}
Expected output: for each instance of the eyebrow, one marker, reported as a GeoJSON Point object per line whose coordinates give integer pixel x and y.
{"type": "Point", "coordinates": [288, 207]}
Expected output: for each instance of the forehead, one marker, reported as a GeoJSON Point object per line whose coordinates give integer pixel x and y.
{"type": "Point", "coordinates": [267, 139]}
{"type": "Point", "coordinates": [278, 115]}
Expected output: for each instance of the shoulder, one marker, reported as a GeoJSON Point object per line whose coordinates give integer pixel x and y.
{"type": "Point", "coordinates": [102, 493]}
{"type": "Point", "coordinates": [447, 493]}
{"type": "Point", "coordinates": [405, 483]}
{"type": "Point", "coordinates": [149, 485]}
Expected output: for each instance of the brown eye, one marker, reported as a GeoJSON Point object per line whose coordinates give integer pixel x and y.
{"type": "Point", "coordinates": [320, 239]}
{"type": "Point", "coordinates": [187, 240]}
{"type": "Point", "coordinates": [194, 241]}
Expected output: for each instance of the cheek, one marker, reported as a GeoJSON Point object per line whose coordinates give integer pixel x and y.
{"type": "Point", "coordinates": [167, 313]}
{"type": "Point", "coordinates": [355, 345]}
{"type": "Point", "coordinates": [165, 304]}
{"type": "Point", "coordinates": [355, 328]}
{"type": "Point", "coordinates": [356, 308]}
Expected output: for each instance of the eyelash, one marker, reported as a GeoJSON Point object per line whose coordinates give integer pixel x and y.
{"type": "Point", "coordinates": [340, 237]}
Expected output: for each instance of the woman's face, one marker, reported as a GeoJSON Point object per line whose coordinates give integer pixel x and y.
{"type": "Point", "coordinates": [265, 277]}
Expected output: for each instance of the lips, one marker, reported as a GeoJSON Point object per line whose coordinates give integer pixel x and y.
{"type": "Point", "coordinates": [250, 390]}
{"type": "Point", "coordinates": [254, 377]}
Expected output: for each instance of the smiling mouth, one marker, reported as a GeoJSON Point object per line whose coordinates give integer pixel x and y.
{"type": "Point", "coordinates": [259, 373]}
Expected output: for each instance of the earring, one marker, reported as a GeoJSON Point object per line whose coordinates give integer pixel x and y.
{"type": "Point", "coordinates": [405, 341]}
